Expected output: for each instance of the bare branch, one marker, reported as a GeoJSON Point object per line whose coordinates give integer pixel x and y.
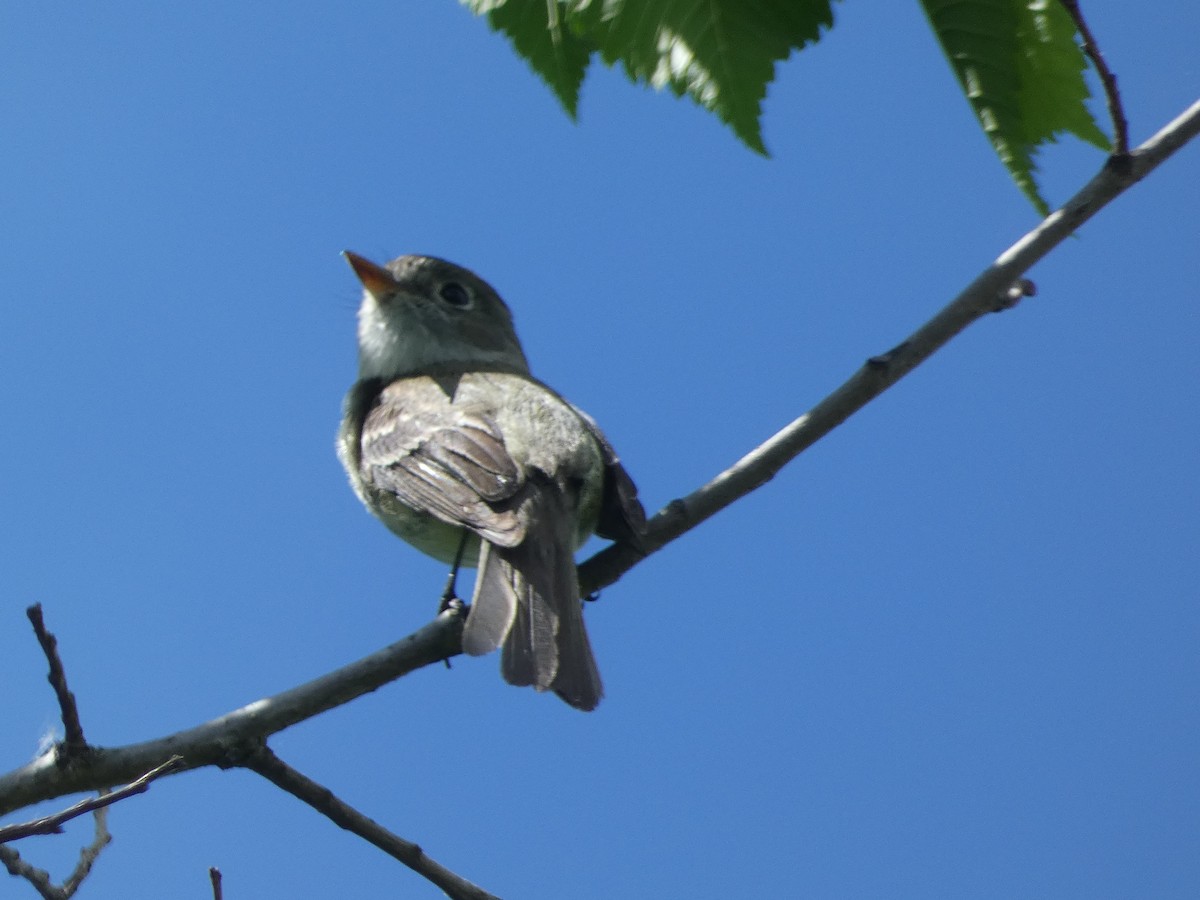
{"type": "Point", "coordinates": [89, 854]}
{"type": "Point", "coordinates": [52, 824]}
{"type": "Point", "coordinates": [214, 876]}
{"type": "Point", "coordinates": [40, 878]}
{"type": "Point", "coordinates": [263, 761]}
{"type": "Point", "coordinates": [73, 741]}
{"type": "Point", "coordinates": [989, 292]}
{"type": "Point", "coordinates": [1116, 109]}
{"type": "Point", "coordinates": [214, 741]}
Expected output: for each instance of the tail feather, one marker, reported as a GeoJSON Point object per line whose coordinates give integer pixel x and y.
{"type": "Point", "coordinates": [494, 605]}
{"type": "Point", "coordinates": [577, 680]}
{"type": "Point", "coordinates": [548, 647]}
{"type": "Point", "coordinates": [527, 599]}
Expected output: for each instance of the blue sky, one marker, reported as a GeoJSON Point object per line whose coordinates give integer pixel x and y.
{"type": "Point", "coordinates": [951, 651]}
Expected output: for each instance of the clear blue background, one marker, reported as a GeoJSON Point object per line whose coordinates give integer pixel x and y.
{"type": "Point", "coordinates": [951, 651]}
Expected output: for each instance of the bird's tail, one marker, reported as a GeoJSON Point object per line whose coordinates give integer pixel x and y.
{"type": "Point", "coordinates": [527, 600]}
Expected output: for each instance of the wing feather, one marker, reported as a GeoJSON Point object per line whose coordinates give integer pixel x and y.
{"type": "Point", "coordinates": [447, 461]}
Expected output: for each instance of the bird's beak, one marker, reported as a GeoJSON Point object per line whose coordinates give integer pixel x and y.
{"type": "Point", "coordinates": [376, 279]}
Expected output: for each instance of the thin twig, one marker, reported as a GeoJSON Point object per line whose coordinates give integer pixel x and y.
{"type": "Point", "coordinates": [214, 876]}
{"type": "Point", "coordinates": [89, 854]}
{"type": "Point", "coordinates": [39, 878]}
{"type": "Point", "coordinates": [73, 743]}
{"type": "Point", "coordinates": [52, 824]}
{"type": "Point", "coordinates": [1116, 109]}
{"type": "Point", "coordinates": [263, 761]}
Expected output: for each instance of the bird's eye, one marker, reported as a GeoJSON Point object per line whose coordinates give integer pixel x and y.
{"type": "Point", "coordinates": [455, 294]}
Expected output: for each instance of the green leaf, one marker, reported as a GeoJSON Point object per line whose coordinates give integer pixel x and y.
{"type": "Point", "coordinates": [1054, 93]}
{"type": "Point", "coordinates": [539, 32]}
{"type": "Point", "coordinates": [1022, 70]}
{"type": "Point", "coordinates": [721, 53]}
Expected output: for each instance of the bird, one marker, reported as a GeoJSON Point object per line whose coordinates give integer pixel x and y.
{"type": "Point", "coordinates": [450, 441]}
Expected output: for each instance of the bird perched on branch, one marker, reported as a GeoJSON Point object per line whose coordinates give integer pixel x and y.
{"type": "Point", "coordinates": [450, 441]}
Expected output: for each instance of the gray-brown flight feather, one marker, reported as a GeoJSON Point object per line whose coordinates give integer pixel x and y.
{"type": "Point", "coordinates": [546, 645]}
{"type": "Point", "coordinates": [622, 517]}
{"type": "Point", "coordinates": [446, 461]}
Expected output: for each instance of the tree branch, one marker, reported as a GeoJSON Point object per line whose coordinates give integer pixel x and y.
{"type": "Point", "coordinates": [263, 761]}
{"type": "Point", "coordinates": [52, 824]}
{"type": "Point", "coordinates": [213, 742]}
{"type": "Point", "coordinates": [986, 294]}
{"type": "Point", "coordinates": [40, 878]}
{"type": "Point", "coordinates": [89, 854]}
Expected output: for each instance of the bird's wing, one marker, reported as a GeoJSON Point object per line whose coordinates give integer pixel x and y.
{"type": "Point", "coordinates": [622, 517]}
{"type": "Point", "coordinates": [442, 459]}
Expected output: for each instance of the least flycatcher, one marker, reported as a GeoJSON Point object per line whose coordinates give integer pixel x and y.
{"type": "Point", "coordinates": [451, 442]}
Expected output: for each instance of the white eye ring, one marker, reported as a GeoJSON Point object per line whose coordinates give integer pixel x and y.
{"type": "Point", "coordinates": [455, 294]}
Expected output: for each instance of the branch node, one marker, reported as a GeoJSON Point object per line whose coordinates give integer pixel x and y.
{"type": "Point", "coordinates": [1013, 295]}
{"type": "Point", "coordinates": [676, 509]}
{"type": "Point", "coordinates": [237, 753]}
{"type": "Point", "coordinates": [1121, 165]}
{"type": "Point", "coordinates": [883, 361]}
